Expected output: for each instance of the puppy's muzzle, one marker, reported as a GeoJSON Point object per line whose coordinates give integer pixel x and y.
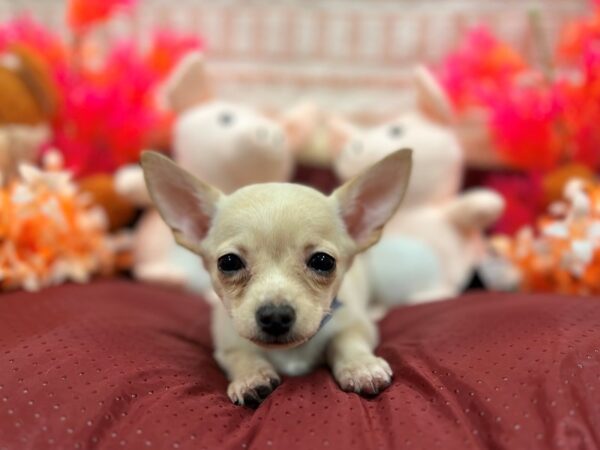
{"type": "Point", "coordinates": [275, 320]}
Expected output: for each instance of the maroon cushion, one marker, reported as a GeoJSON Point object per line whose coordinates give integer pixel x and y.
{"type": "Point", "coordinates": [121, 365]}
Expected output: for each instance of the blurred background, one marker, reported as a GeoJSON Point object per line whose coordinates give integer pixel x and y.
{"type": "Point", "coordinates": [354, 56]}
{"type": "Point", "coordinates": [500, 101]}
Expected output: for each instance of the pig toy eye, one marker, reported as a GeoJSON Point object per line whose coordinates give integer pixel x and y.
{"type": "Point", "coordinates": [226, 119]}
{"type": "Point", "coordinates": [396, 131]}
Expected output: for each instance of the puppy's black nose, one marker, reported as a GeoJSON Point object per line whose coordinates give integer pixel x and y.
{"type": "Point", "coordinates": [275, 320]}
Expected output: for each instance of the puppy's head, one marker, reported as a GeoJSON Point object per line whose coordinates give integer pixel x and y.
{"type": "Point", "coordinates": [277, 252]}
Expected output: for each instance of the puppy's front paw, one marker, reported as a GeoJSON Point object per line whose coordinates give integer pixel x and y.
{"type": "Point", "coordinates": [364, 375]}
{"type": "Point", "coordinates": [252, 390]}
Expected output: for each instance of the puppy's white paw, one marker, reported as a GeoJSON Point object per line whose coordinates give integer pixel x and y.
{"type": "Point", "coordinates": [253, 389]}
{"type": "Point", "coordinates": [364, 375]}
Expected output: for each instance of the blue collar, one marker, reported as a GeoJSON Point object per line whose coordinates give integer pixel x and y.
{"type": "Point", "coordinates": [335, 304]}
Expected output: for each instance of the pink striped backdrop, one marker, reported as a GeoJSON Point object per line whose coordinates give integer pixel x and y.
{"type": "Point", "coordinates": [352, 57]}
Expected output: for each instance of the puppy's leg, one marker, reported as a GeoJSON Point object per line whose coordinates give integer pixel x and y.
{"type": "Point", "coordinates": [252, 377]}
{"type": "Point", "coordinates": [354, 366]}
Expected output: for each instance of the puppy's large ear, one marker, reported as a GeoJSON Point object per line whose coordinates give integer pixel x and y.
{"type": "Point", "coordinates": [369, 200]}
{"type": "Point", "coordinates": [185, 203]}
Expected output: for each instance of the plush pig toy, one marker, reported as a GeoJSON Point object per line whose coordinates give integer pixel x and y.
{"type": "Point", "coordinates": [432, 246]}
{"type": "Point", "coordinates": [224, 144]}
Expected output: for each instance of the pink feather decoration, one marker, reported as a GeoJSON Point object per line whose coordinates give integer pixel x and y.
{"type": "Point", "coordinates": [107, 114]}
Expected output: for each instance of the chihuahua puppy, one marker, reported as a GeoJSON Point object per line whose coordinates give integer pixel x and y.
{"type": "Point", "coordinates": [283, 261]}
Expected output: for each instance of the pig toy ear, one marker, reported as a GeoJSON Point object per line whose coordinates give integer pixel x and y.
{"type": "Point", "coordinates": [299, 122]}
{"type": "Point", "coordinates": [187, 86]}
{"type": "Point", "coordinates": [432, 99]}
{"type": "Point", "coordinates": [341, 131]}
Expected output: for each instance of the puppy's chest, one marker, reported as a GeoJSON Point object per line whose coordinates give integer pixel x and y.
{"type": "Point", "coordinates": [301, 360]}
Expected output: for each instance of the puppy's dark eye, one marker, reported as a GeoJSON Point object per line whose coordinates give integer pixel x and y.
{"type": "Point", "coordinates": [230, 264]}
{"type": "Point", "coordinates": [321, 263]}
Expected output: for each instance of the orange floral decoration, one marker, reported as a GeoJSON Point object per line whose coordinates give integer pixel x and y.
{"type": "Point", "coordinates": [562, 253]}
{"type": "Point", "coordinates": [49, 231]}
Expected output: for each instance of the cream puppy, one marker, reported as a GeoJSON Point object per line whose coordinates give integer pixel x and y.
{"type": "Point", "coordinates": [281, 258]}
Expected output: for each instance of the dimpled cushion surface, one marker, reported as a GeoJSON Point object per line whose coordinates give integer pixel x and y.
{"type": "Point", "coordinates": [115, 364]}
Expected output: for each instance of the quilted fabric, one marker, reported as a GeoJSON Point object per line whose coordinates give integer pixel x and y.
{"type": "Point", "coordinates": [121, 365]}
